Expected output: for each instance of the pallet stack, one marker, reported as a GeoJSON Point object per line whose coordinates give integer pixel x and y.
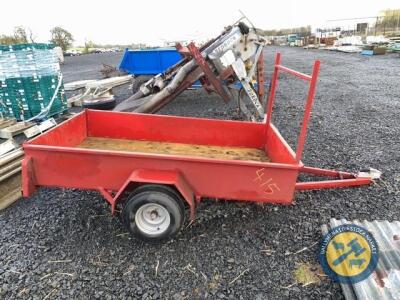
{"type": "Point", "coordinates": [29, 75]}
{"type": "Point", "coordinates": [10, 128]}
{"type": "Point", "coordinates": [10, 177]}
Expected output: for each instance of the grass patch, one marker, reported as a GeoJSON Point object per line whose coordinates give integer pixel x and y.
{"type": "Point", "coordinates": [306, 274]}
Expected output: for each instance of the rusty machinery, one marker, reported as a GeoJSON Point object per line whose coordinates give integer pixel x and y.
{"type": "Point", "coordinates": [236, 55]}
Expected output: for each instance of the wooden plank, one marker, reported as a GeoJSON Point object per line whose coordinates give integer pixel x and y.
{"type": "Point", "coordinates": [228, 153]}
{"type": "Point", "coordinates": [10, 191]}
{"type": "Point", "coordinates": [7, 122]}
{"type": "Point", "coordinates": [75, 100]}
{"type": "Point", "coordinates": [109, 82]}
{"type": "Point", "coordinates": [8, 146]}
{"type": "Point", "coordinates": [10, 177]}
{"type": "Point", "coordinates": [10, 167]}
{"type": "Point", "coordinates": [38, 129]}
{"type": "Point", "coordinates": [10, 198]}
{"type": "Point", "coordinates": [10, 174]}
{"type": "Point", "coordinates": [5, 159]}
{"type": "Point", "coordinates": [32, 131]}
{"type": "Point", "coordinates": [9, 132]}
{"type": "Point", "coordinates": [75, 85]}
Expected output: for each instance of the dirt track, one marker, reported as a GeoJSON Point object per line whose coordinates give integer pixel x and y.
{"type": "Point", "coordinates": [64, 244]}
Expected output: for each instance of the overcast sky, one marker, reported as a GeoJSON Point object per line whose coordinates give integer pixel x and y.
{"type": "Point", "coordinates": [125, 22]}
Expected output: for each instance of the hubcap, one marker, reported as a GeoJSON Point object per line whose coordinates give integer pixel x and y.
{"type": "Point", "coordinates": [152, 219]}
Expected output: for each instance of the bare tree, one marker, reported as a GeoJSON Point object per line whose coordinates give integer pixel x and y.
{"type": "Point", "coordinates": [20, 34]}
{"type": "Point", "coordinates": [18, 37]}
{"type": "Point", "coordinates": [32, 36]}
{"type": "Point", "coordinates": [61, 37]}
{"type": "Point", "coordinates": [6, 39]}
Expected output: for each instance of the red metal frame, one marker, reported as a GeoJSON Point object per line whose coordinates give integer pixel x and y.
{"type": "Point", "coordinates": [184, 51]}
{"type": "Point", "coordinates": [54, 158]}
{"type": "Point", "coordinates": [210, 81]}
{"type": "Point", "coordinates": [310, 99]}
{"type": "Point", "coordinates": [138, 176]}
{"type": "Point", "coordinates": [344, 179]}
{"type": "Point", "coordinates": [215, 82]}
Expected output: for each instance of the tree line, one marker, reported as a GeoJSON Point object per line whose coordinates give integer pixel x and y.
{"type": "Point", "coordinates": [58, 36]}
{"type": "Point", "coordinates": [302, 31]}
{"type": "Point", "coordinates": [389, 21]}
{"type": "Point", "coordinates": [21, 35]}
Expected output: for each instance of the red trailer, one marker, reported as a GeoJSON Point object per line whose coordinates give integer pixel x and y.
{"type": "Point", "coordinates": [156, 165]}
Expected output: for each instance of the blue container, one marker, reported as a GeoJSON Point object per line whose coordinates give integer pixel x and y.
{"type": "Point", "coordinates": [149, 61]}
{"type": "Point", "coordinates": [367, 52]}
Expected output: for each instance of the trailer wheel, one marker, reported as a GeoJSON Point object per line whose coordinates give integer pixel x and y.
{"type": "Point", "coordinates": [154, 213]}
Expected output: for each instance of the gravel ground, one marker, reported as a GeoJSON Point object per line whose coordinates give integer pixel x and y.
{"type": "Point", "coordinates": [88, 66]}
{"type": "Point", "coordinates": [63, 244]}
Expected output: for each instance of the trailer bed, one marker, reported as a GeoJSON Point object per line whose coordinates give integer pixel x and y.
{"type": "Point", "coordinates": [181, 149]}
{"type": "Point", "coordinates": [216, 158]}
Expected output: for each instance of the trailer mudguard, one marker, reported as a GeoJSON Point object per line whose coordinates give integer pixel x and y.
{"type": "Point", "coordinates": [172, 178]}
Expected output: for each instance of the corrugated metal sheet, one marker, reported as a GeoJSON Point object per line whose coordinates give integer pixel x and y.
{"type": "Point", "coordinates": [384, 282]}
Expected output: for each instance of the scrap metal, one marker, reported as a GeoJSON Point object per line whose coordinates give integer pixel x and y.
{"type": "Point", "coordinates": [94, 90]}
{"type": "Point", "coordinates": [234, 56]}
{"type": "Point", "coordinates": [384, 282]}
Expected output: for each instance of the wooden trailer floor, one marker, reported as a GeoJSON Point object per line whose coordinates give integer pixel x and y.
{"type": "Point", "coordinates": [228, 153]}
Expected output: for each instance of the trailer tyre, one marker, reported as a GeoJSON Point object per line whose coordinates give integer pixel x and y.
{"type": "Point", "coordinates": [101, 105]}
{"type": "Point", "coordinates": [154, 213]}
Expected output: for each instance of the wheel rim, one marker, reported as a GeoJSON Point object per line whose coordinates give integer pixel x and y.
{"type": "Point", "coordinates": [152, 219]}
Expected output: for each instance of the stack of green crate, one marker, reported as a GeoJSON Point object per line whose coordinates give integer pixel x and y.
{"type": "Point", "coordinates": [29, 76]}
{"type": "Point", "coordinates": [14, 102]}
{"type": "Point", "coordinates": [27, 46]}
{"type": "Point", "coordinates": [39, 91]}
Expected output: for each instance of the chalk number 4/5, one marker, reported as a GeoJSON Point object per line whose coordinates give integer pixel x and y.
{"type": "Point", "coordinates": [266, 184]}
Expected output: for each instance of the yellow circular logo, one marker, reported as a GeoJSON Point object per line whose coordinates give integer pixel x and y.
{"type": "Point", "coordinates": [348, 253]}
{"type": "Point", "coordinates": [342, 258]}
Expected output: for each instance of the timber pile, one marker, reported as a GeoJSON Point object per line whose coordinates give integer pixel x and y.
{"type": "Point", "coordinates": [9, 128]}
{"type": "Point", "coordinates": [10, 177]}
{"type": "Point", "coordinates": [5, 122]}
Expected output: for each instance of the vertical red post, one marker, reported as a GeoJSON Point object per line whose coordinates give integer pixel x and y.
{"type": "Point", "coordinates": [307, 111]}
{"type": "Point", "coordinates": [272, 89]}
